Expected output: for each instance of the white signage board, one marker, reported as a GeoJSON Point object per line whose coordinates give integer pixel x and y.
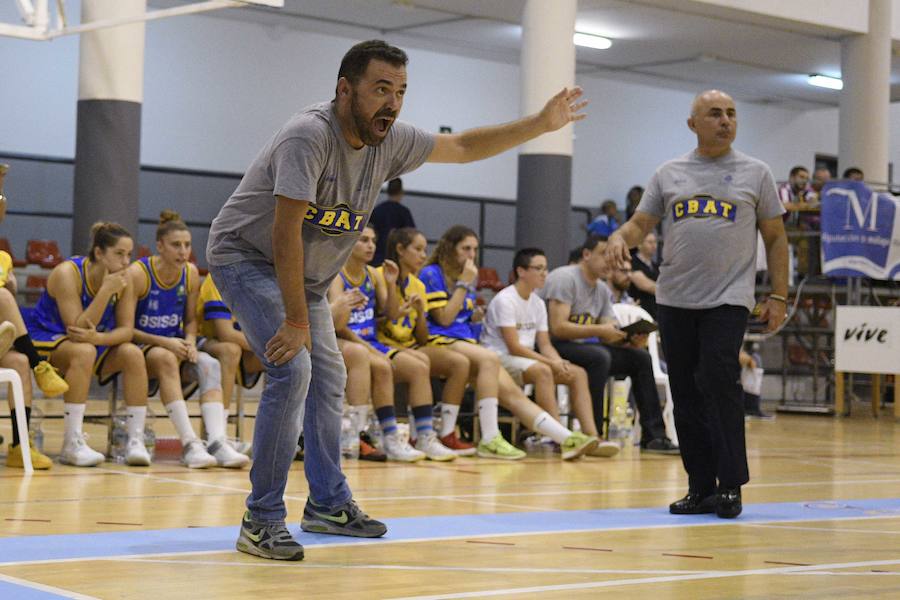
{"type": "Point", "coordinates": [867, 339]}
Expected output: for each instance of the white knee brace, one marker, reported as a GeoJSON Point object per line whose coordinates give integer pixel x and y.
{"type": "Point", "coordinates": [209, 373]}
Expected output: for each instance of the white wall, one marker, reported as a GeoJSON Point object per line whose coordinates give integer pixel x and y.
{"type": "Point", "coordinates": [216, 89]}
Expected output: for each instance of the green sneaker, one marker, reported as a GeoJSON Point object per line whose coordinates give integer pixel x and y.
{"type": "Point", "coordinates": [499, 448]}
{"type": "Point", "coordinates": [346, 519]}
{"type": "Point", "coordinates": [576, 445]}
{"type": "Point", "coordinates": [267, 540]}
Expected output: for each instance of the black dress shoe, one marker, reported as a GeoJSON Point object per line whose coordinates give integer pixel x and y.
{"type": "Point", "coordinates": [694, 503]}
{"type": "Point", "coordinates": [728, 503]}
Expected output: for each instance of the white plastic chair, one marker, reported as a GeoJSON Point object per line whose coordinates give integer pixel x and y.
{"type": "Point", "coordinates": [11, 377]}
{"type": "Point", "coordinates": [629, 313]}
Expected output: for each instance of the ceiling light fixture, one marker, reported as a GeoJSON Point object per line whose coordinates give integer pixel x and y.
{"type": "Point", "coordinates": [590, 40]}
{"type": "Point", "coordinates": [832, 83]}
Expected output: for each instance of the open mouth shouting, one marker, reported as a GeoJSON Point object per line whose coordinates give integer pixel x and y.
{"type": "Point", "coordinates": [383, 123]}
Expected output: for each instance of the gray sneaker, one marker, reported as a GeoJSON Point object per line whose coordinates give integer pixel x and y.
{"type": "Point", "coordinates": [346, 519]}
{"type": "Point", "coordinates": [267, 540]}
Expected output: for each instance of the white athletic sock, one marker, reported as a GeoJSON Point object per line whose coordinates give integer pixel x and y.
{"type": "Point", "coordinates": [178, 413]}
{"type": "Point", "coordinates": [449, 413]}
{"type": "Point", "coordinates": [487, 418]}
{"type": "Point", "coordinates": [73, 417]}
{"type": "Point", "coordinates": [213, 417]}
{"type": "Point", "coordinates": [547, 425]}
{"type": "Point", "coordinates": [358, 416]}
{"type": "Point", "coordinates": [135, 421]}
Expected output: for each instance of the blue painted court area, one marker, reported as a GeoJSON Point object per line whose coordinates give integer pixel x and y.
{"type": "Point", "coordinates": [19, 592]}
{"type": "Point", "coordinates": [212, 539]}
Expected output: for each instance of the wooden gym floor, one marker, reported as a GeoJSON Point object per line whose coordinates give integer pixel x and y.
{"type": "Point", "coordinates": [821, 519]}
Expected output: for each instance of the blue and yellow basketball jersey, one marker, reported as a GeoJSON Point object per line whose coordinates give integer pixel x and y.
{"type": "Point", "coordinates": [161, 310]}
{"type": "Point", "coordinates": [211, 307]}
{"type": "Point", "coordinates": [401, 332]}
{"type": "Point", "coordinates": [437, 296]}
{"type": "Point", "coordinates": [45, 321]}
{"type": "Point", "coordinates": [362, 320]}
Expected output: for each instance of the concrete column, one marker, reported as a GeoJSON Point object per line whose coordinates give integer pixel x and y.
{"type": "Point", "coordinates": [544, 191]}
{"type": "Point", "coordinates": [108, 136]}
{"type": "Point", "coordinates": [865, 99]}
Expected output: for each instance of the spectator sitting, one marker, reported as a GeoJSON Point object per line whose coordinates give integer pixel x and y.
{"type": "Point", "coordinates": [644, 273]}
{"type": "Point", "coordinates": [618, 281]}
{"type": "Point", "coordinates": [606, 222]}
{"type": "Point", "coordinates": [795, 191]}
{"type": "Point", "coordinates": [387, 216]}
{"type": "Point", "coordinates": [820, 177]}
{"type": "Point", "coordinates": [632, 199]}
{"type": "Point", "coordinates": [584, 332]}
{"type": "Point", "coordinates": [516, 329]}
{"type": "Point", "coordinates": [854, 174]}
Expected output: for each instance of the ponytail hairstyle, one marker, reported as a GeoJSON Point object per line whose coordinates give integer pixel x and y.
{"type": "Point", "coordinates": [444, 254]}
{"type": "Point", "coordinates": [169, 221]}
{"type": "Point", "coordinates": [105, 234]}
{"type": "Point", "coordinates": [399, 237]}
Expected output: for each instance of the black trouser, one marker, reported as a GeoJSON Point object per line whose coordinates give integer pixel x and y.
{"type": "Point", "coordinates": [600, 362]}
{"type": "Point", "coordinates": [701, 348]}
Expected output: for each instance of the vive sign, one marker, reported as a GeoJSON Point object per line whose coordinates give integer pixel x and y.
{"type": "Point", "coordinates": [703, 206]}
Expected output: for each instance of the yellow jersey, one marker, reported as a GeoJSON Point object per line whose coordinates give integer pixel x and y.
{"type": "Point", "coordinates": [401, 332]}
{"type": "Point", "coordinates": [6, 266]}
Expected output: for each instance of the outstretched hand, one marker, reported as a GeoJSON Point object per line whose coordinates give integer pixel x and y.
{"type": "Point", "coordinates": [563, 108]}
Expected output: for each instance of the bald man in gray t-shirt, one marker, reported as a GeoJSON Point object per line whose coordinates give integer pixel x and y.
{"type": "Point", "coordinates": [711, 203]}
{"type": "Point", "coordinates": [279, 241]}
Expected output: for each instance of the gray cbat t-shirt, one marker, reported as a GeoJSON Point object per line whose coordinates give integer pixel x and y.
{"type": "Point", "coordinates": [309, 159]}
{"type": "Point", "coordinates": [710, 208]}
{"type": "Point", "coordinates": [590, 303]}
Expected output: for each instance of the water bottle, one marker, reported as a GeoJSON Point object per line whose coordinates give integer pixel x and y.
{"type": "Point", "coordinates": [119, 437]}
{"type": "Point", "coordinates": [149, 434]}
{"type": "Point", "coordinates": [349, 439]}
{"type": "Point", "coordinates": [628, 426]}
{"type": "Point", "coordinates": [35, 431]}
{"type": "Point", "coordinates": [617, 424]}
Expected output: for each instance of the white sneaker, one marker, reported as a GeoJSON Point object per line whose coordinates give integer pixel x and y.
{"type": "Point", "coordinates": [245, 448]}
{"type": "Point", "coordinates": [136, 453]}
{"type": "Point", "coordinates": [605, 449]}
{"type": "Point", "coordinates": [226, 456]}
{"type": "Point", "coordinates": [76, 452]}
{"type": "Point", "coordinates": [195, 456]}
{"type": "Point", "coordinates": [433, 448]}
{"type": "Point", "coordinates": [399, 449]}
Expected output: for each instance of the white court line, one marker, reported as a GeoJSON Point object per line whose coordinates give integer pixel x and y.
{"type": "Point", "coordinates": [824, 529]}
{"type": "Point", "coordinates": [343, 566]}
{"type": "Point", "coordinates": [380, 541]}
{"type": "Point", "coordinates": [606, 490]}
{"type": "Point", "coordinates": [648, 580]}
{"type": "Point", "coordinates": [45, 588]}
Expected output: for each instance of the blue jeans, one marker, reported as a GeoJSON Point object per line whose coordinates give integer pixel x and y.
{"type": "Point", "coordinates": [309, 387]}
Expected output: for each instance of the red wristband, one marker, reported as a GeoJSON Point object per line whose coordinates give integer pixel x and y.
{"type": "Point", "coordinates": [297, 325]}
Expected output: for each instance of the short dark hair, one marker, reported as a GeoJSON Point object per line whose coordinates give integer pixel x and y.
{"type": "Point", "coordinates": [575, 256]}
{"type": "Point", "coordinates": [797, 169]}
{"type": "Point", "coordinates": [851, 171]}
{"type": "Point", "coordinates": [523, 259]}
{"type": "Point", "coordinates": [357, 59]}
{"type": "Point", "coordinates": [395, 186]}
{"type": "Point", "coordinates": [591, 242]}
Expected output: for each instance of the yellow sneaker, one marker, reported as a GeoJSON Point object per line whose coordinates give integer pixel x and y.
{"type": "Point", "coordinates": [49, 380]}
{"type": "Point", "coordinates": [7, 336]}
{"type": "Point", "coordinates": [39, 461]}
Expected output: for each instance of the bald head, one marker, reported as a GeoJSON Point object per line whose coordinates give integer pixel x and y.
{"type": "Point", "coordinates": [704, 99]}
{"type": "Point", "coordinates": [714, 120]}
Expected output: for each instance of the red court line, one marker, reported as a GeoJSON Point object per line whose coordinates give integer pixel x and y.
{"type": "Point", "coordinates": [115, 523]}
{"type": "Point", "coordinates": [30, 520]}
{"type": "Point", "coordinates": [689, 556]}
{"type": "Point", "coordinates": [581, 548]}
{"type": "Point", "coordinates": [790, 564]}
{"type": "Point", "coordinates": [490, 543]}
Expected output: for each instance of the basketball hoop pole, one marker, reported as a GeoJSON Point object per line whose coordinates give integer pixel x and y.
{"type": "Point", "coordinates": [36, 17]}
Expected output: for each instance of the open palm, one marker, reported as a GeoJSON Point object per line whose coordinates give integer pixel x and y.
{"type": "Point", "coordinates": [563, 108]}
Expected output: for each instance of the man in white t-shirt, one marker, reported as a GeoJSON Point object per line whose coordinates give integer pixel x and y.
{"type": "Point", "coordinates": [515, 327]}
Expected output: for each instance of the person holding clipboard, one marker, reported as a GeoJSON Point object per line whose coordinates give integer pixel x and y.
{"type": "Point", "coordinates": [584, 331]}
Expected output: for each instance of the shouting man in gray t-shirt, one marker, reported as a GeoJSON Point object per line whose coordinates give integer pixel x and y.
{"type": "Point", "coordinates": [282, 237]}
{"type": "Point", "coordinates": [711, 202]}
